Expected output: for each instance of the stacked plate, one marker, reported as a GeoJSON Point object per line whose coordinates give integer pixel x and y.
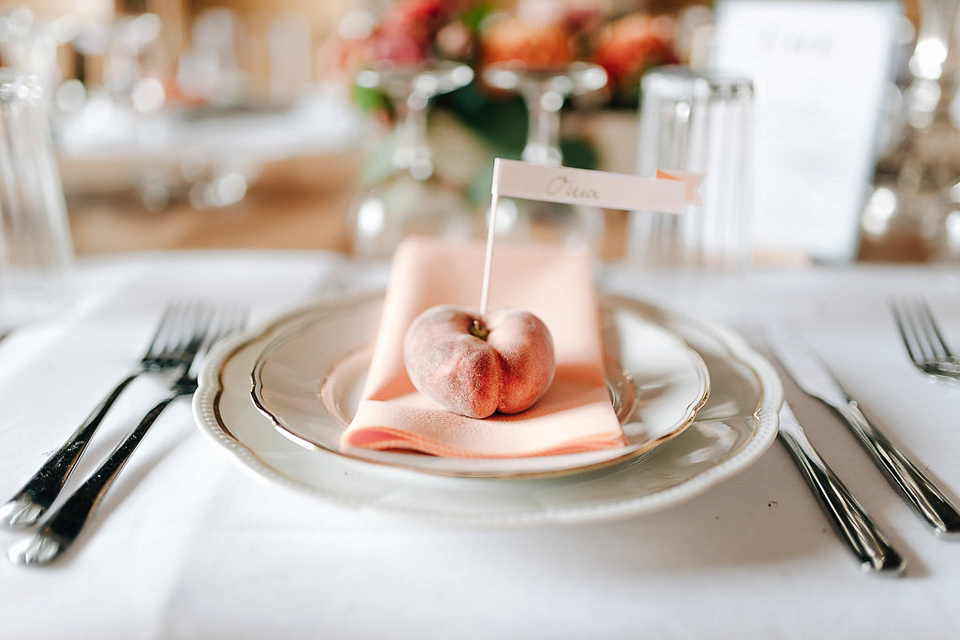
{"type": "Point", "coordinates": [697, 405]}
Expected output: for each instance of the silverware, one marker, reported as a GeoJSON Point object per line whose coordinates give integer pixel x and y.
{"type": "Point", "coordinates": [920, 492]}
{"type": "Point", "coordinates": [166, 351]}
{"type": "Point", "coordinates": [848, 518]}
{"type": "Point", "coordinates": [922, 338]}
{"type": "Point", "coordinates": [62, 528]}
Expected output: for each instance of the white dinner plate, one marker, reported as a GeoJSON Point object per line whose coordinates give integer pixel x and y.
{"type": "Point", "coordinates": [656, 383]}
{"type": "Point", "coordinates": [731, 431]}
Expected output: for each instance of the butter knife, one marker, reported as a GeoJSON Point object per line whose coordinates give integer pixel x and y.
{"type": "Point", "coordinates": [848, 518]}
{"type": "Point", "coordinates": [811, 375]}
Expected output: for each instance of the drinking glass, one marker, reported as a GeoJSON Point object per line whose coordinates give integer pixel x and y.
{"type": "Point", "coordinates": [701, 123]}
{"type": "Point", "coordinates": [36, 250]}
{"type": "Point", "coordinates": [544, 92]}
{"type": "Point", "coordinates": [411, 199]}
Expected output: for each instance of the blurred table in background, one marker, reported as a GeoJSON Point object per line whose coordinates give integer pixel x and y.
{"type": "Point", "coordinates": [296, 204]}
{"type": "Point", "coordinates": [300, 203]}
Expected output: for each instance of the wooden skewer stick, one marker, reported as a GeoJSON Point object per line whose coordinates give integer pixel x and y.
{"type": "Point", "coordinates": [491, 231]}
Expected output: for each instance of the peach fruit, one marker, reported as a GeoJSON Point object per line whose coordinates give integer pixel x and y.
{"type": "Point", "coordinates": [476, 366]}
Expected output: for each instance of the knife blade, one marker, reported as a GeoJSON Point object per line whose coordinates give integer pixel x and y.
{"type": "Point", "coordinates": [849, 519]}
{"type": "Point", "coordinates": [812, 375]}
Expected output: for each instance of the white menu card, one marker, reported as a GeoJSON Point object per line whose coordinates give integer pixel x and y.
{"type": "Point", "coordinates": [821, 70]}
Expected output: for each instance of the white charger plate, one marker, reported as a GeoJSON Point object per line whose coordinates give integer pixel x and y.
{"type": "Point", "coordinates": [731, 431]}
{"type": "Point", "coordinates": [656, 382]}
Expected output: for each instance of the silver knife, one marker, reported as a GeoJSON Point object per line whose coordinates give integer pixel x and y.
{"type": "Point", "coordinates": [848, 518]}
{"type": "Point", "coordinates": [811, 375]}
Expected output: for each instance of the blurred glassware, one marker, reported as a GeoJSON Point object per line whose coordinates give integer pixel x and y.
{"type": "Point", "coordinates": [927, 63]}
{"type": "Point", "coordinates": [36, 250]}
{"type": "Point", "coordinates": [130, 37]}
{"type": "Point", "coordinates": [30, 44]}
{"type": "Point", "coordinates": [698, 122]}
{"type": "Point", "coordinates": [122, 45]}
{"type": "Point", "coordinates": [907, 214]}
{"type": "Point", "coordinates": [208, 154]}
{"type": "Point", "coordinates": [544, 91]}
{"type": "Point", "coordinates": [209, 71]}
{"type": "Point", "coordinates": [411, 198]}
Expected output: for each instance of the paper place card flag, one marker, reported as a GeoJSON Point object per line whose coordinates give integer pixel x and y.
{"type": "Point", "coordinates": [668, 192]}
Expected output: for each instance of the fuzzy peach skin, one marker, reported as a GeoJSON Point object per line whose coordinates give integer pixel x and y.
{"type": "Point", "coordinates": [507, 371]}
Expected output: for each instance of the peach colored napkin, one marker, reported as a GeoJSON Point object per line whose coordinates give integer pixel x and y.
{"type": "Point", "coordinates": [556, 284]}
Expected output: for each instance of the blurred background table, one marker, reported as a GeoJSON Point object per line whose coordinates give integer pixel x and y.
{"type": "Point", "coordinates": [296, 204]}
{"type": "Point", "coordinates": [155, 54]}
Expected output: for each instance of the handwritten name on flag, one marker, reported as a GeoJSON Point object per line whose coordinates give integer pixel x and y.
{"type": "Point", "coordinates": [668, 192]}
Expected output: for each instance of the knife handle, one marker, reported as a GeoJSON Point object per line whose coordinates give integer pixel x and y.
{"type": "Point", "coordinates": [926, 498]}
{"type": "Point", "coordinates": [848, 518]}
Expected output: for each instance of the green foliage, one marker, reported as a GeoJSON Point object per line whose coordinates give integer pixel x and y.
{"type": "Point", "coordinates": [369, 100]}
{"type": "Point", "coordinates": [475, 15]}
{"type": "Point", "coordinates": [501, 122]}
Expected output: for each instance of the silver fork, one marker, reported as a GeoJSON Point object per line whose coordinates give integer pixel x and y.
{"type": "Point", "coordinates": [63, 527]}
{"type": "Point", "coordinates": [166, 351]}
{"type": "Point", "coordinates": [923, 340]}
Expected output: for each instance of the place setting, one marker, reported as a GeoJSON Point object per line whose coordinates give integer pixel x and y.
{"type": "Point", "coordinates": [427, 319]}
{"type": "Point", "coordinates": [345, 401]}
{"type": "Point", "coordinates": [648, 407]}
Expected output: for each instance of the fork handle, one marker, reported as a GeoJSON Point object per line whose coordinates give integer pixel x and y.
{"type": "Point", "coordinates": [40, 491]}
{"type": "Point", "coordinates": [864, 538]}
{"type": "Point", "coordinates": [61, 530]}
{"type": "Point", "coordinates": [926, 498]}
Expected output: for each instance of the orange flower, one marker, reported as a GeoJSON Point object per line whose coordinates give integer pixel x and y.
{"type": "Point", "coordinates": [535, 45]}
{"type": "Point", "coordinates": [627, 47]}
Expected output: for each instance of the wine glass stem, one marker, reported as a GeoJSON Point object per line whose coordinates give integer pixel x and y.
{"type": "Point", "coordinates": [412, 151]}
{"type": "Point", "coordinates": [543, 108]}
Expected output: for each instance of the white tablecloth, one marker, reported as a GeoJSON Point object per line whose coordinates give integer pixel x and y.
{"type": "Point", "coordinates": [189, 545]}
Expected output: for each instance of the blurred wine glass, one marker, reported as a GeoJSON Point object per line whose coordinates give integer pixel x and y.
{"type": "Point", "coordinates": [544, 92]}
{"type": "Point", "coordinates": [411, 198]}
{"type": "Point", "coordinates": [30, 43]}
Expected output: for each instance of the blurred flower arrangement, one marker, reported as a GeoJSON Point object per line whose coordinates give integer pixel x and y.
{"type": "Point", "coordinates": [539, 34]}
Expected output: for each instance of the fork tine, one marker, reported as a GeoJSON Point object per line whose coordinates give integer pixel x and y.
{"type": "Point", "coordinates": [907, 333]}
{"type": "Point", "coordinates": [925, 343]}
{"type": "Point", "coordinates": [161, 351]}
{"type": "Point", "coordinates": [228, 320]}
{"type": "Point", "coordinates": [921, 333]}
{"type": "Point", "coordinates": [192, 327]}
{"type": "Point", "coordinates": [932, 330]}
{"type": "Point", "coordinates": [176, 326]}
{"type": "Point", "coordinates": [172, 309]}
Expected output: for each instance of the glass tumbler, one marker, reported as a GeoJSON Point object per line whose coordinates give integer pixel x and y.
{"type": "Point", "coordinates": [697, 122]}
{"type": "Point", "coordinates": [36, 249]}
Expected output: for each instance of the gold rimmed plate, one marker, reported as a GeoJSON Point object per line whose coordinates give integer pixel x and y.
{"type": "Point", "coordinates": [731, 431]}
{"type": "Point", "coordinates": [309, 377]}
